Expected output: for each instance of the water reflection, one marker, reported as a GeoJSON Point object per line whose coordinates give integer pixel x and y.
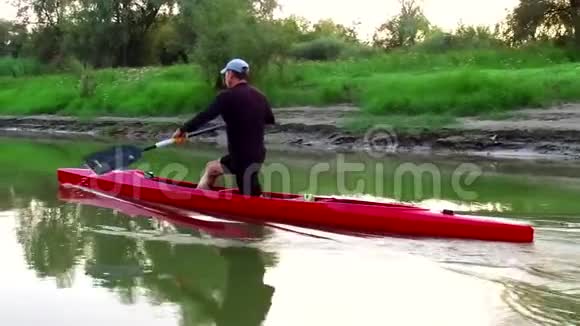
{"type": "Point", "coordinates": [210, 284]}
{"type": "Point", "coordinates": [51, 240]}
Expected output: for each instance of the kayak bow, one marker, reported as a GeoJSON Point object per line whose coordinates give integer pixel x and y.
{"type": "Point", "coordinates": [317, 212]}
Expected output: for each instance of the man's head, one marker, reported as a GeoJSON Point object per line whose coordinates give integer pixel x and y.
{"type": "Point", "coordinates": [236, 71]}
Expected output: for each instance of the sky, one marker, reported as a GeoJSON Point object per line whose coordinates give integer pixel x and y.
{"type": "Point", "coordinates": [372, 13]}
{"type": "Point", "coordinates": [7, 11]}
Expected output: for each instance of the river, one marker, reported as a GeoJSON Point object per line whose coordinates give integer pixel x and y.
{"type": "Point", "coordinates": [69, 262]}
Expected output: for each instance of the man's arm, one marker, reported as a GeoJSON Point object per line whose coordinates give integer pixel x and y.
{"type": "Point", "coordinates": [212, 112]}
{"type": "Point", "coordinates": [269, 114]}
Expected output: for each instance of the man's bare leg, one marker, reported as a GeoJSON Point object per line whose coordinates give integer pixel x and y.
{"type": "Point", "coordinates": [213, 170]}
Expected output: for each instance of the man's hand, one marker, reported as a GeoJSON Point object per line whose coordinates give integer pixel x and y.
{"type": "Point", "coordinates": [179, 136]}
{"type": "Point", "coordinates": [178, 133]}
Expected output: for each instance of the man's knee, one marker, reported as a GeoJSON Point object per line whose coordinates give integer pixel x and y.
{"type": "Point", "coordinates": [214, 168]}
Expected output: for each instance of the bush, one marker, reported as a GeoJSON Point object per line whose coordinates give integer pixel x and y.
{"type": "Point", "coordinates": [464, 38]}
{"type": "Point", "coordinates": [67, 64]}
{"type": "Point", "coordinates": [354, 51]}
{"type": "Point", "coordinates": [321, 49]}
{"type": "Point", "coordinates": [87, 83]}
{"type": "Point", "coordinates": [17, 67]}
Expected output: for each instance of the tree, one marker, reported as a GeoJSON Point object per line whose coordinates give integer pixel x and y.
{"type": "Point", "coordinates": [17, 38]}
{"type": "Point", "coordinates": [327, 28]}
{"type": "Point", "coordinates": [224, 33]}
{"type": "Point", "coordinates": [544, 19]}
{"type": "Point", "coordinates": [264, 9]}
{"type": "Point", "coordinates": [47, 18]}
{"type": "Point", "coordinates": [5, 27]}
{"type": "Point", "coordinates": [95, 35]}
{"type": "Point", "coordinates": [405, 29]}
{"type": "Point", "coordinates": [105, 33]}
{"type": "Point", "coordinates": [135, 18]}
{"type": "Point", "coordinates": [575, 12]}
{"type": "Point", "coordinates": [99, 32]}
{"type": "Point", "coordinates": [167, 43]}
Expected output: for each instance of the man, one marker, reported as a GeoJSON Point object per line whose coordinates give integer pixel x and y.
{"type": "Point", "coordinates": [246, 112]}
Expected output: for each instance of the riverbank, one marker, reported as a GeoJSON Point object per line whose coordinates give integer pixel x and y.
{"type": "Point", "coordinates": [533, 133]}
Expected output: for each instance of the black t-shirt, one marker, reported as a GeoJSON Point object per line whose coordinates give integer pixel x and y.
{"type": "Point", "coordinates": [246, 112]}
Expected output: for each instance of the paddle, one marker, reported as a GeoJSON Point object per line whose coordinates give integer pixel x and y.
{"type": "Point", "coordinates": [120, 157]}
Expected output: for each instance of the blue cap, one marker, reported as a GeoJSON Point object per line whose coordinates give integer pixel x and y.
{"type": "Point", "coordinates": [237, 65]}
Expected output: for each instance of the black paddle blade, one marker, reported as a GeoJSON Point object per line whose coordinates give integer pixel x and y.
{"type": "Point", "coordinates": [116, 158]}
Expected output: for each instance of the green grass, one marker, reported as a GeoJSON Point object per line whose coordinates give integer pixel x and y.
{"type": "Point", "coordinates": [470, 91]}
{"type": "Point", "coordinates": [399, 123]}
{"type": "Point", "coordinates": [18, 67]}
{"type": "Point", "coordinates": [401, 83]}
{"type": "Point", "coordinates": [34, 95]}
{"type": "Point", "coordinates": [122, 92]}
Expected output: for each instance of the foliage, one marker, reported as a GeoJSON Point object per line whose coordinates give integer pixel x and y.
{"type": "Point", "coordinates": [323, 49]}
{"type": "Point", "coordinates": [470, 91]}
{"type": "Point", "coordinates": [544, 19]}
{"type": "Point", "coordinates": [137, 33]}
{"type": "Point", "coordinates": [295, 28]}
{"type": "Point", "coordinates": [87, 84]}
{"type": "Point", "coordinates": [166, 43]}
{"type": "Point", "coordinates": [99, 32]}
{"type": "Point", "coordinates": [405, 29]}
{"type": "Point", "coordinates": [18, 67]}
{"type": "Point", "coordinates": [463, 71]}
{"type": "Point", "coordinates": [458, 82]}
{"type": "Point", "coordinates": [464, 37]}
{"type": "Point", "coordinates": [327, 28]}
{"type": "Point", "coordinates": [110, 33]}
{"type": "Point", "coordinates": [128, 92]}
{"type": "Point", "coordinates": [224, 33]}
{"type": "Point", "coordinates": [5, 27]}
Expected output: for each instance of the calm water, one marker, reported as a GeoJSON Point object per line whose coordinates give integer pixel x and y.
{"type": "Point", "coordinates": [70, 260]}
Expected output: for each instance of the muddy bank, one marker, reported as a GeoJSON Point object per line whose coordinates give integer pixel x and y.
{"type": "Point", "coordinates": [543, 133]}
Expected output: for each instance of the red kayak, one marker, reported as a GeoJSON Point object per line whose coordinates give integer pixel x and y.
{"type": "Point", "coordinates": [317, 212]}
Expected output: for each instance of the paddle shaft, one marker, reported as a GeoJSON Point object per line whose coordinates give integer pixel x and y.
{"type": "Point", "coordinates": [172, 141]}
